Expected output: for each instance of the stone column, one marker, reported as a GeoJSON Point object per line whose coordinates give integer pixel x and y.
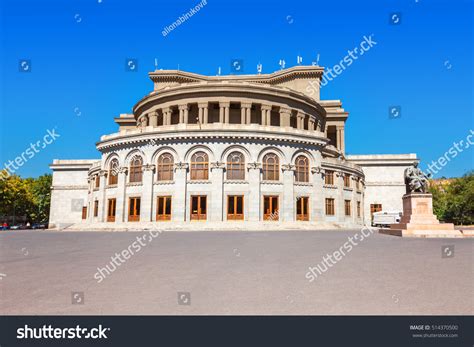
{"type": "Point", "coordinates": [166, 116]}
{"type": "Point", "coordinates": [340, 137]}
{"type": "Point", "coordinates": [226, 112]}
{"type": "Point", "coordinates": [246, 109]}
{"type": "Point", "coordinates": [178, 204]}
{"type": "Point", "coordinates": [205, 114]}
{"type": "Point", "coordinates": [287, 206]}
{"type": "Point", "coordinates": [121, 208]}
{"type": "Point", "coordinates": [216, 206]}
{"type": "Point", "coordinates": [183, 114]}
{"type": "Point", "coordinates": [222, 111]}
{"type": "Point", "coordinates": [200, 114]}
{"type": "Point", "coordinates": [311, 124]}
{"type": "Point", "coordinates": [154, 119]}
{"type": "Point", "coordinates": [339, 203]}
{"type": "Point", "coordinates": [300, 121]}
{"type": "Point", "coordinates": [254, 199]}
{"type": "Point", "coordinates": [102, 200]}
{"type": "Point", "coordinates": [147, 193]}
{"type": "Point", "coordinates": [318, 199]}
{"type": "Point", "coordinates": [285, 114]}
{"type": "Point", "coordinates": [266, 112]}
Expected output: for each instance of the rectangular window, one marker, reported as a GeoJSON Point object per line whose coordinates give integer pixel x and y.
{"type": "Point", "coordinates": [96, 208]}
{"type": "Point", "coordinates": [302, 211]}
{"type": "Point", "coordinates": [270, 208]}
{"type": "Point", "coordinates": [330, 207]}
{"type": "Point", "coordinates": [134, 209]}
{"type": "Point", "coordinates": [358, 208]}
{"type": "Point", "coordinates": [163, 208]}
{"type": "Point", "coordinates": [347, 207]}
{"type": "Point", "coordinates": [329, 177]}
{"type": "Point", "coordinates": [111, 207]}
{"type": "Point", "coordinates": [235, 207]}
{"type": "Point", "coordinates": [97, 182]}
{"type": "Point", "coordinates": [347, 181]}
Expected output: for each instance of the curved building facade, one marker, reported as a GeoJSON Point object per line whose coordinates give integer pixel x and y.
{"type": "Point", "coordinates": [219, 148]}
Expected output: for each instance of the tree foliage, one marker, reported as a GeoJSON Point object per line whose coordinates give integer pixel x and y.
{"type": "Point", "coordinates": [454, 202]}
{"type": "Point", "coordinates": [28, 199]}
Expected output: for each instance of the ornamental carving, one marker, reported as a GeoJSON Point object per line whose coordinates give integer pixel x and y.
{"type": "Point", "coordinates": [217, 165]}
{"type": "Point", "coordinates": [288, 167]}
{"type": "Point", "coordinates": [254, 166]}
{"type": "Point", "coordinates": [181, 166]}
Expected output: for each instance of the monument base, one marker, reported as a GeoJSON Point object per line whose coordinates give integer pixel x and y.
{"type": "Point", "coordinates": [418, 219]}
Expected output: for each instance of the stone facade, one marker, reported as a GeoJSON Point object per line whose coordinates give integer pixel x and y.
{"type": "Point", "coordinates": [241, 148]}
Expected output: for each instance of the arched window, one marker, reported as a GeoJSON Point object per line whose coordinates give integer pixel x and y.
{"type": "Point", "coordinates": [271, 167]}
{"type": "Point", "coordinates": [165, 167]}
{"type": "Point", "coordinates": [302, 169]}
{"type": "Point", "coordinates": [199, 166]}
{"type": "Point", "coordinates": [235, 166]}
{"type": "Point", "coordinates": [136, 169]}
{"type": "Point", "coordinates": [113, 172]}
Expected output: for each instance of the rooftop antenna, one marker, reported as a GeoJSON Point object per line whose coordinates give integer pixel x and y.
{"type": "Point", "coordinates": [282, 64]}
{"type": "Point", "coordinates": [259, 68]}
{"type": "Point", "coordinates": [299, 59]}
{"type": "Point", "coordinates": [156, 64]}
{"type": "Point", "coordinates": [219, 71]}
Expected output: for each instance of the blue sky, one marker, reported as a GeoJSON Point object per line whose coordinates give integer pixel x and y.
{"type": "Point", "coordinates": [78, 81]}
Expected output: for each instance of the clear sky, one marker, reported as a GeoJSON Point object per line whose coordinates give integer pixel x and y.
{"type": "Point", "coordinates": [76, 52]}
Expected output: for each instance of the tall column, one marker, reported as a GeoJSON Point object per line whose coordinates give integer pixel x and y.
{"type": "Point", "coordinates": [245, 114]}
{"type": "Point", "coordinates": [288, 203]}
{"type": "Point", "coordinates": [121, 208]}
{"type": "Point", "coordinates": [266, 112]}
{"type": "Point", "coordinates": [254, 199]}
{"type": "Point", "coordinates": [147, 193]}
{"type": "Point", "coordinates": [318, 199]}
{"type": "Point", "coordinates": [205, 114]}
{"type": "Point", "coordinates": [285, 114]}
{"type": "Point", "coordinates": [178, 204]}
{"type": "Point", "coordinates": [102, 200]}
{"type": "Point", "coordinates": [300, 121]}
{"type": "Point", "coordinates": [340, 137]}
{"type": "Point", "coordinates": [183, 114]}
{"type": "Point", "coordinates": [311, 124]}
{"type": "Point", "coordinates": [222, 111]}
{"type": "Point", "coordinates": [339, 204]}
{"type": "Point", "coordinates": [226, 113]}
{"type": "Point", "coordinates": [216, 207]}
{"type": "Point", "coordinates": [166, 116]}
{"type": "Point", "coordinates": [200, 114]}
{"type": "Point", "coordinates": [153, 119]}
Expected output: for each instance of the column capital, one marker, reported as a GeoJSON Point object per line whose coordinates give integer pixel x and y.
{"type": "Point", "coordinates": [103, 172]}
{"type": "Point", "coordinates": [203, 104]}
{"type": "Point", "coordinates": [288, 167]}
{"type": "Point", "coordinates": [148, 167]}
{"type": "Point", "coordinates": [183, 107]}
{"type": "Point", "coordinates": [317, 170]}
{"type": "Point", "coordinates": [266, 107]}
{"type": "Point", "coordinates": [122, 170]}
{"type": "Point", "coordinates": [245, 105]}
{"type": "Point", "coordinates": [300, 115]}
{"type": "Point", "coordinates": [217, 165]}
{"type": "Point", "coordinates": [153, 113]}
{"type": "Point", "coordinates": [254, 166]}
{"type": "Point", "coordinates": [181, 166]}
{"type": "Point", "coordinates": [166, 109]}
{"type": "Point", "coordinates": [285, 110]}
{"type": "Point", "coordinates": [224, 103]}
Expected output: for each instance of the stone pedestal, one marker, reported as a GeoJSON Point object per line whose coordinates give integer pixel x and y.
{"type": "Point", "coordinates": [418, 219]}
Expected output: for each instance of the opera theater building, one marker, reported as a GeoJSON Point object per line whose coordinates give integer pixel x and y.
{"type": "Point", "coordinates": [241, 148]}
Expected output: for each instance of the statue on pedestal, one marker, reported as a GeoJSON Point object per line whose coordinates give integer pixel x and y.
{"type": "Point", "coordinates": [416, 181]}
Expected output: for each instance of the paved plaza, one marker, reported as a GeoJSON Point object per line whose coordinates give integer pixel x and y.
{"type": "Point", "coordinates": [233, 272]}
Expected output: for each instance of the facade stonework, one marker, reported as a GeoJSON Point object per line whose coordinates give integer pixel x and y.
{"type": "Point", "coordinates": [225, 148]}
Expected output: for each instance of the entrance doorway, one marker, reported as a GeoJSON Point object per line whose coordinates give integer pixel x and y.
{"type": "Point", "coordinates": [111, 210]}
{"type": "Point", "coordinates": [302, 211]}
{"type": "Point", "coordinates": [235, 207]}
{"type": "Point", "coordinates": [198, 207]}
{"type": "Point", "coordinates": [163, 208]}
{"type": "Point", "coordinates": [270, 208]}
